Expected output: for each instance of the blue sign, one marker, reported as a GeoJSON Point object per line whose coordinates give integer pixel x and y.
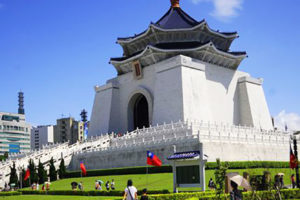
{"type": "Point", "coordinates": [184, 155]}
{"type": "Point", "coordinates": [14, 148]}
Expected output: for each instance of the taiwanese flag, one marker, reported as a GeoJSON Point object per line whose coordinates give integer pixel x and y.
{"type": "Point", "coordinates": [27, 174]}
{"type": "Point", "coordinates": [153, 159]}
{"type": "Point", "coordinates": [83, 169]}
{"type": "Point", "coordinates": [293, 160]}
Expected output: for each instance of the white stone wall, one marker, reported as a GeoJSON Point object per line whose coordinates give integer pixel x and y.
{"type": "Point", "coordinates": [181, 88]}
{"type": "Point", "coordinates": [227, 142]}
{"type": "Point", "coordinates": [254, 110]}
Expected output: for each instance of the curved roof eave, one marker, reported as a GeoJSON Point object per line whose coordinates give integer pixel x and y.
{"type": "Point", "coordinates": [201, 23]}
{"type": "Point", "coordinates": [210, 44]}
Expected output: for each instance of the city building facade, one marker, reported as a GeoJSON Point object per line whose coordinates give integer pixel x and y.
{"type": "Point", "coordinates": [14, 133]}
{"type": "Point", "coordinates": [42, 135]}
{"type": "Point", "coordinates": [68, 130]}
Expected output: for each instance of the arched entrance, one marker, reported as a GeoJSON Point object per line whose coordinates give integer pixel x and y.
{"type": "Point", "coordinates": [140, 112]}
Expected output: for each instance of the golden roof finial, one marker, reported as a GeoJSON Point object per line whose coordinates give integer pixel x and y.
{"type": "Point", "coordinates": [175, 3]}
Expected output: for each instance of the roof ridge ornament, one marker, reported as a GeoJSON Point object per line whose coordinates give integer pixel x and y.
{"type": "Point", "coordinates": [175, 4]}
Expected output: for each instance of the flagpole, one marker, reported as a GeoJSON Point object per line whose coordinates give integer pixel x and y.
{"type": "Point", "coordinates": [147, 176]}
{"type": "Point", "coordinates": [297, 166]}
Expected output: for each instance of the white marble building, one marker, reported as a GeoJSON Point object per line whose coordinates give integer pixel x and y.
{"type": "Point", "coordinates": [178, 69]}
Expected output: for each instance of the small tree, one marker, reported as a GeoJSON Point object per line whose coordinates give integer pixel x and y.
{"type": "Point", "coordinates": [52, 171]}
{"type": "Point", "coordinates": [4, 157]}
{"type": "Point", "coordinates": [42, 174]}
{"type": "Point", "coordinates": [13, 179]}
{"type": "Point", "coordinates": [62, 169]}
{"type": "Point", "coordinates": [33, 174]}
{"type": "Point", "coordinates": [220, 174]}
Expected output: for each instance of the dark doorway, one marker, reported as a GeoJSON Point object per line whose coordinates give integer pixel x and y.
{"type": "Point", "coordinates": [141, 113]}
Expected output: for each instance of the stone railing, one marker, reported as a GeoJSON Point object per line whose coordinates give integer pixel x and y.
{"type": "Point", "coordinates": [229, 133]}
{"type": "Point", "coordinates": [44, 155]}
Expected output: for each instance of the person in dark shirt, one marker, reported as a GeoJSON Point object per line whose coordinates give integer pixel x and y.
{"type": "Point", "coordinates": [144, 194]}
{"type": "Point", "coordinates": [235, 194]}
{"type": "Point", "coordinates": [107, 185]}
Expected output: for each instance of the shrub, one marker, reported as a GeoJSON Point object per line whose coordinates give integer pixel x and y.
{"type": "Point", "coordinates": [87, 193]}
{"type": "Point", "coordinates": [285, 194]}
{"type": "Point", "coordinates": [14, 193]}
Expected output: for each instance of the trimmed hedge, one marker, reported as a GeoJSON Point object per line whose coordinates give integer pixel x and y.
{"type": "Point", "coordinates": [13, 193]}
{"type": "Point", "coordinates": [250, 164]}
{"type": "Point", "coordinates": [87, 193]}
{"type": "Point", "coordinates": [162, 195]}
{"type": "Point", "coordinates": [168, 169]}
{"type": "Point", "coordinates": [285, 194]}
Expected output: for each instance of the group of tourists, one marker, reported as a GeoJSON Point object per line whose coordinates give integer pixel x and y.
{"type": "Point", "coordinates": [108, 185]}
{"type": "Point", "coordinates": [75, 185]}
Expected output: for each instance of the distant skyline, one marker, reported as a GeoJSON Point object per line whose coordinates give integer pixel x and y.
{"type": "Point", "coordinates": [56, 51]}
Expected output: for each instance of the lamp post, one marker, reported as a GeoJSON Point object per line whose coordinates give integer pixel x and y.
{"type": "Point", "coordinates": [20, 176]}
{"type": "Point", "coordinates": [296, 155]}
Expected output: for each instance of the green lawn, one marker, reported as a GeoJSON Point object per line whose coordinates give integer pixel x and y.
{"type": "Point", "coordinates": [49, 197]}
{"type": "Point", "coordinates": [151, 181]}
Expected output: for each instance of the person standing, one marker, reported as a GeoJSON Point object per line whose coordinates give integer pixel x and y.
{"type": "Point", "coordinates": [211, 184]}
{"type": "Point", "coordinates": [130, 191]}
{"type": "Point", "coordinates": [235, 194]}
{"type": "Point", "coordinates": [80, 186]}
{"type": "Point", "coordinates": [96, 185]}
{"type": "Point", "coordinates": [112, 184]}
{"type": "Point", "coordinates": [281, 181]}
{"type": "Point", "coordinates": [107, 185]}
{"type": "Point", "coordinates": [293, 181]}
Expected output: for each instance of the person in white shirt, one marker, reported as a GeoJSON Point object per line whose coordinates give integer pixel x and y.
{"type": "Point", "coordinates": [130, 191]}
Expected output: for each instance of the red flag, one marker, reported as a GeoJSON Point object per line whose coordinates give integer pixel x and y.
{"type": "Point", "coordinates": [293, 160]}
{"type": "Point", "coordinates": [153, 159]}
{"type": "Point", "coordinates": [83, 169]}
{"type": "Point", "coordinates": [27, 174]}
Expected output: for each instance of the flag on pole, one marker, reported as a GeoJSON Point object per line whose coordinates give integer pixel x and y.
{"type": "Point", "coordinates": [83, 169]}
{"type": "Point", "coordinates": [27, 174]}
{"type": "Point", "coordinates": [293, 160]}
{"type": "Point", "coordinates": [153, 159]}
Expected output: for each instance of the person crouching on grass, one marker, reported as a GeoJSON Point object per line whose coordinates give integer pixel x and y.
{"type": "Point", "coordinates": [130, 191]}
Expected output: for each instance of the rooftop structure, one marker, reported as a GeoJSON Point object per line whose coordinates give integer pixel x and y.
{"type": "Point", "coordinates": [177, 33]}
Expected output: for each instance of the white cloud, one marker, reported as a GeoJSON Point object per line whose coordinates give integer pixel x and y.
{"type": "Point", "coordinates": [224, 9]}
{"type": "Point", "coordinates": [292, 120]}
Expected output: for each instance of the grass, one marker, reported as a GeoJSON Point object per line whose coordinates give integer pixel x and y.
{"type": "Point", "coordinates": [49, 197]}
{"type": "Point", "coordinates": [152, 181]}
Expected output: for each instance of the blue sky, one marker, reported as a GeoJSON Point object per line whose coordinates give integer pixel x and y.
{"type": "Point", "coordinates": [56, 51]}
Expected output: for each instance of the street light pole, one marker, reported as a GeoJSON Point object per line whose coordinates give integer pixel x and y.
{"type": "Point", "coordinates": [20, 176]}
{"type": "Point", "coordinates": [297, 166]}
